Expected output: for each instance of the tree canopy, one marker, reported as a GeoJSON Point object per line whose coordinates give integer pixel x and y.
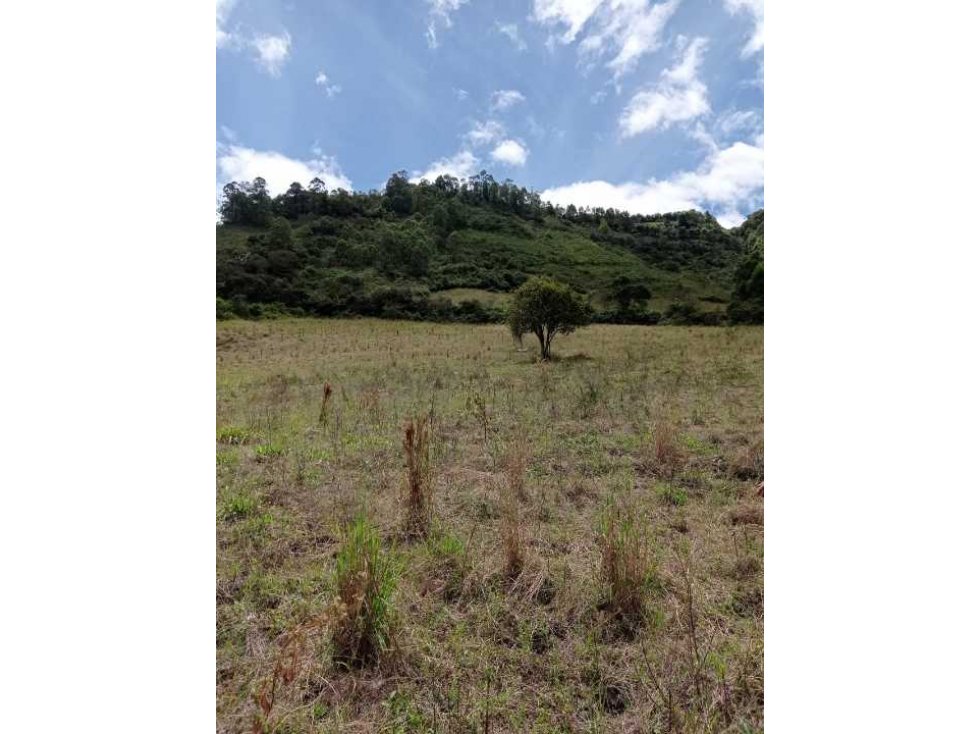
{"type": "Point", "coordinates": [546, 308]}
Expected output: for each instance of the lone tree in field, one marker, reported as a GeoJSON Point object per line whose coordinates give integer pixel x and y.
{"type": "Point", "coordinates": [546, 308]}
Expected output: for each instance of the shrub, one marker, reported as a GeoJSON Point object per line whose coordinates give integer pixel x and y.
{"type": "Point", "coordinates": [225, 309]}
{"type": "Point", "coordinates": [364, 581]}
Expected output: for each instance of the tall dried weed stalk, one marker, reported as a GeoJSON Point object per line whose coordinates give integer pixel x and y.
{"type": "Point", "coordinates": [327, 392]}
{"type": "Point", "coordinates": [512, 533]}
{"type": "Point", "coordinates": [418, 496]}
{"type": "Point", "coordinates": [515, 465]}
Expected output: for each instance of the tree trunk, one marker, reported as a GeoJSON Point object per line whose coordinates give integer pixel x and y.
{"type": "Point", "coordinates": [544, 350]}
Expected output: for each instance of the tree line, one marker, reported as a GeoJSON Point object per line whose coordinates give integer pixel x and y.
{"type": "Point", "coordinates": [389, 253]}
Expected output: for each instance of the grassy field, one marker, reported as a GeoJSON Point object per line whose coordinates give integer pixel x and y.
{"type": "Point", "coordinates": [568, 547]}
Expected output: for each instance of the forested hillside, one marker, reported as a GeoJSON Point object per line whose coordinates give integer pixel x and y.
{"type": "Point", "coordinates": [453, 249]}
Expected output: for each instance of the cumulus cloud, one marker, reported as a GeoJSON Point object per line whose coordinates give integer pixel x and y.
{"type": "Point", "coordinates": [483, 133]}
{"type": "Point", "coordinates": [462, 165]}
{"type": "Point", "coordinates": [440, 14]}
{"type": "Point", "coordinates": [620, 30]}
{"type": "Point", "coordinates": [239, 163]}
{"type": "Point", "coordinates": [331, 90]}
{"type": "Point", "coordinates": [731, 179]}
{"type": "Point", "coordinates": [756, 9]}
{"type": "Point", "coordinates": [511, 31]}
{"type": "Point", "coordinates": [510, 152]}
{"type": "Point", "coordinates": [504, 98]}
{"type": "Point", "coordinates": [678, 96]}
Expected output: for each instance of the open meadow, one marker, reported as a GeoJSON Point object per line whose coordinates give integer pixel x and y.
{"type": "Point", "coordinates": [455, 538]}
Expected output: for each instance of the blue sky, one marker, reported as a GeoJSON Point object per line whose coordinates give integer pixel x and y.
{"type": "Point", "coordinates": [642, 105]}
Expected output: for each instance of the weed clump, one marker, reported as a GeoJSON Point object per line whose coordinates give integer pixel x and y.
{"type": "Point", "coordinates": [449, 563]}
{"type": "Point", "coordinates": [269, 451]}
{"type": "Point", "coordinates": [364, 585]}
{"type": "Point", "coordinates": [418, 499]}
{"type": "Point", "coordinates": [234, 435]}
{"type": "Point", "coordinates": [625, 566]}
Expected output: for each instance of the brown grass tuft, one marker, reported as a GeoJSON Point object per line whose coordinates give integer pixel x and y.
{"type": "Point", "coordinates": [749, 463]}
{"type": "Point", "coordinates": [747, 515]}
{"type": "Point", "coordinates": [663, 456]}
{"type": "Point", "coordinates": [667, 453]}
{"type": "Point", "coordinates": [625, 565]}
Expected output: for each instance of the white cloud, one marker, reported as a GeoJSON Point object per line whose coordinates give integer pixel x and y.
{"type": "Point", "coordinates": [504, 98]}
{"type": "Point", "coordinates": [571, 13]}
{"type": "Point", "coordinates": [678, 96]}
{"type": "Point", "coordinates": [273, 51]}
{"type": "Point", "coordinates": [462, 165]}
{"type": "Point", "coordinates": [461, 94]}
{"type": "Point", "coordinates": [238, 163]}
{"type": "Point", "coordinates": [224, 8]}
{"type": "Point", "coordinates": [624, 30]}
{"type": "Point", "coordinates": [440, 14]}
{"type": "Point", "coordinates": [755, 8]}
{"type": "Point", "coordinates": [732, 179]}
{"type": "Point", "coordinates": [483, 133]}
{"type": "Point", "coordinates": [629, 29]}
{"type": "Point", "coordinates": [511, 31]}
{"type": "Point", "coordinates": [322, 80]}
{"type": "Point", "coordinates": [737, 121]}
{"type": "Point", "coordinates": [510, 152]}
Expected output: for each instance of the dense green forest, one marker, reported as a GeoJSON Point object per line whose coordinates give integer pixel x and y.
{"type": "Point", "coordinates": [452, 250]}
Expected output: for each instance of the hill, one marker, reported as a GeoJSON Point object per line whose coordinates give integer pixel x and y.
{"type": "Point", "coordinates": [452, 250]}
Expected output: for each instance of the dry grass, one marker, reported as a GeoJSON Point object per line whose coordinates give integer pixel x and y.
{"type": "Point", "coordinates": [511, 455]}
